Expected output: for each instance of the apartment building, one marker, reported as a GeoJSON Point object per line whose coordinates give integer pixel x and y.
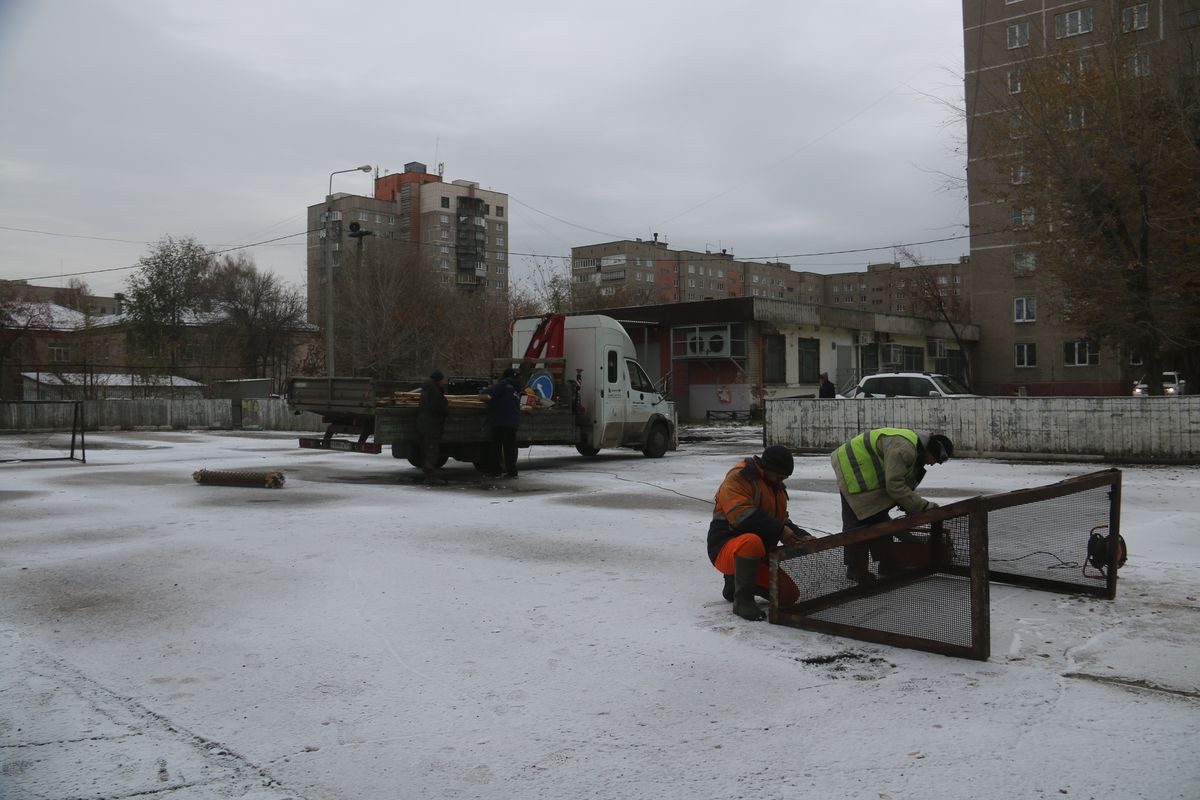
{"type": "Point", "coordinates": [455, 230]}
{"type": "Point", "coordinates": [649, 272]}
{"type": "Point", "coordinates": [890, 288]}
{"type": "Point", "coordinates": [1026, 345]}
{"type": "Point", "coordinates": [645, 272]}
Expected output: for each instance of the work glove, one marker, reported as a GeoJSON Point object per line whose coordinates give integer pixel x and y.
{"type": "Point", "coordinates": [929, 504]}
{"type": "Point", "coordinates": [794, 535]}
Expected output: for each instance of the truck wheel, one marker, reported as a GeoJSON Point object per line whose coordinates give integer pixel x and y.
{"type": "Point", "coordinates": [656, 441]}
{"type": "Point", "coordinates": [414, 455]}
{"type": "Point", "coordinates": [585, 450]}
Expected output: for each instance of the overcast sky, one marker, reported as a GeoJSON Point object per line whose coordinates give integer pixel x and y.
{"type": "Point", "coordinates": [769, 128]}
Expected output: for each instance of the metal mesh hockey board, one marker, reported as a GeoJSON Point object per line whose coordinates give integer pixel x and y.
{"type": "Point", "coordinates": [938, 601]}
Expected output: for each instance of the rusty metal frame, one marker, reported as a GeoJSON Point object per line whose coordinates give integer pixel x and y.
{"type": "Point", "coordinates": [978, 570]}
{"type": "Point", "coordinates": [1068, 486]}
{"type": "Point", "coordinates": [799, 615]}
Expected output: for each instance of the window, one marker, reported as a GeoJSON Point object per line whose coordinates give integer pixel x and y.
{"type": "Point", "coordinates": [445, 219]}
{"type": "Point", "coordinates": [1024, 262]}
{"type": "Point", "coordinates": [1018, 35]}
{"type": "Point", "coordinates": [444, 263]}
{"type": "Point", "coordinates": [1080, 353]}
{"type": "Point", "coordinates": [1076, 118]}
{"type": "Point", "coordinates": [639, 381]}
{"type": "Point", "coordinates": [1014, 81]}
{"type": "Point", "coordinates": [1026, 354]}
{"type": "Point", "coordinates": [1135, 18]}
{"type": "Point", "coordinates": [499, 211]}
{"type": "Point", "coordinates": [445, 249]}
{"type": "Point", "coordinates": [499, 227]}
{"type": "Point", "coordinates": [1138, 64]}
{"type": "Point", "coordinates": [445, 233]}
{"type": "Point", "coordinates": [1019, 174]}
{"type": "Point", "coordinates": [500, 256]}
{"type": "Point", "coordinates": [59, 354]}
{"type": "Point", "coordinates": [809, 357]}
{"type": "Point", "coordinates": [1024, 309]}
{"type": "Point", "coordinates": [692, 270]}
{"type": "Point", "coordinates": [774, 350]}
{"type": "Point", "coordinates": [500, 241]}
{"type": "Point", "coordinates": [364, 216]}
{"type": "Point", "coordinates": [1073, 23]}
{"type": "Point", "coordinates": [486, 209]}
{"type": "Point", "coordinates": [1189, 19]}
{"type": "Point", "coordinates": [1022, 217]}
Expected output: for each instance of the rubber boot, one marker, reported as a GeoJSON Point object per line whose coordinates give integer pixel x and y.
{"type": "Point", "coordinates": [745, 576]}
{"type": "Point", "coordinates": [727, 592]}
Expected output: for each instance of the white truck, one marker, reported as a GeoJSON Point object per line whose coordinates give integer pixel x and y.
{"type": "Point", "coordinates": [591, 393]}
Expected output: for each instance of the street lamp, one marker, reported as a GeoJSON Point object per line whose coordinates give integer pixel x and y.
{"type": "Point", "coordinates": [329, 229]}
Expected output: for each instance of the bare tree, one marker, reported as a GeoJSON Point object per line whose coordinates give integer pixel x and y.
{"type": "Point", "coordinates": [170, 285]}
{"type": "Point", "coordinates": [933, 297]}
{"type": "Point", "coordinates": [259, 314]}
{"type": "Point", "coordinates": [77, 296]}
{"type": "Point", "coordinates": [1104, 171]}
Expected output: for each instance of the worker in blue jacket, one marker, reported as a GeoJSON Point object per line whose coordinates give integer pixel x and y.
{"type": "Point", "coordinates": [503, 418]}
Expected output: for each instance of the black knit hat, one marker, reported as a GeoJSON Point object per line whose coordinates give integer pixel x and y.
{"type": "Point", "coordinates": [778, 458]}
{"type": "Point", "coordinates": [436, 376]}
{"type": "Point", "coordinates": [941, 448]}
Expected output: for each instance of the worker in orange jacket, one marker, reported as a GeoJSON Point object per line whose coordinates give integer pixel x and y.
{"type": "Point", "coordinates": [750, 519]}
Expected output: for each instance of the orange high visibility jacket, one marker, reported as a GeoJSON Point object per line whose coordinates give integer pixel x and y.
{"type": "Point", "coordinates": [746, 503]}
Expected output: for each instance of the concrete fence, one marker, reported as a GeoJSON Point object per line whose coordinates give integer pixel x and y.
{"type": "Point", "coordinates": [102, 415]}
{"type": "Point", "coordinates": [1073, 428]}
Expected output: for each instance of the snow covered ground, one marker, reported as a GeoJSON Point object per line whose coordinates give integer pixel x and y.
{"type": "Point", "coordinates": [356, 635]}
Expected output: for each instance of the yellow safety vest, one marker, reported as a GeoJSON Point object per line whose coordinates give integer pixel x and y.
{"type": "Point", "coordinates": [862, 466]}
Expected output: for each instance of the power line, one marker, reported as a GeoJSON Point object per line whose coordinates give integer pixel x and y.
{"type": "Point", "coordinates": [71, 235]}
{"type": "Point", "coordinates": [135, 266]}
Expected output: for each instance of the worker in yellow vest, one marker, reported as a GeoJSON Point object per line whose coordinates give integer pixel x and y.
{"type": "Point", "coordinates": [877, 471]}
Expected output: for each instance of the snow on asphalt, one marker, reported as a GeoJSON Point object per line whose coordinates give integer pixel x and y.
{"type": "Point", "coordinates": [357, 635]}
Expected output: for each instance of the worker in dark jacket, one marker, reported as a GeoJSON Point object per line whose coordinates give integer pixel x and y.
{"type": "Point", "coordinates": [431, 420]}
{"type": "Point", "coordinates": [877, 471]}
{"type": "Point", "coordinates": [750, 520]}
{"type": "Point", "coordinates": [827, 388]}
{"type": "Point", "coordinates": [503, 418]}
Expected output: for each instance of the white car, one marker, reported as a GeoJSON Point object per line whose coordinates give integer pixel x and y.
{"type": "Point", "coordinates": [910, 384]}
{"type": "Point", "coordinates": [1173, 385]}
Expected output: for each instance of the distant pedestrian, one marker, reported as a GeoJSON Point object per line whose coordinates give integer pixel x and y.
{"type": "Point", "coordinates": [431, 420]}
{"type": "Point", "coordinates": [503, 418]}
{"type": "Point", "coordinates": [827, 387]}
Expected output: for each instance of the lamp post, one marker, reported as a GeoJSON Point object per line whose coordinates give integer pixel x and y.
{"type": "Point", "coordinates": [329, 229]}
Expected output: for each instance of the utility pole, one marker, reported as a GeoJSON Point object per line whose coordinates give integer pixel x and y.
{"type": "Point", "coordinates": [330, 229]}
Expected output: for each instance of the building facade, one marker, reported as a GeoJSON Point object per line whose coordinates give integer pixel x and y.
{"type": "Point", "coordinates": [1026, 344]}
{"type": "Point", "coordinates": [726, 357]}
{"type": "Point", "coordinates": [455, 230]}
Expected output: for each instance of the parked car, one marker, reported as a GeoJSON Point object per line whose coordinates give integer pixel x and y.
{"type": "Point", "coordinates": [1173, 385]}
{"type": "Point", "coordinates": [910, 384]}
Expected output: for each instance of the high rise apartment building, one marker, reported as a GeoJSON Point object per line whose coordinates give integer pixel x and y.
{"type": "Point", "coordinates": [456, 231]}
{"type": "Point", "coordinates": [1026, 346]}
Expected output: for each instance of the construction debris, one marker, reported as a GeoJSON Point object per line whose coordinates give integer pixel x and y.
{"type": "Point", "coordinates": [226, 477]}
